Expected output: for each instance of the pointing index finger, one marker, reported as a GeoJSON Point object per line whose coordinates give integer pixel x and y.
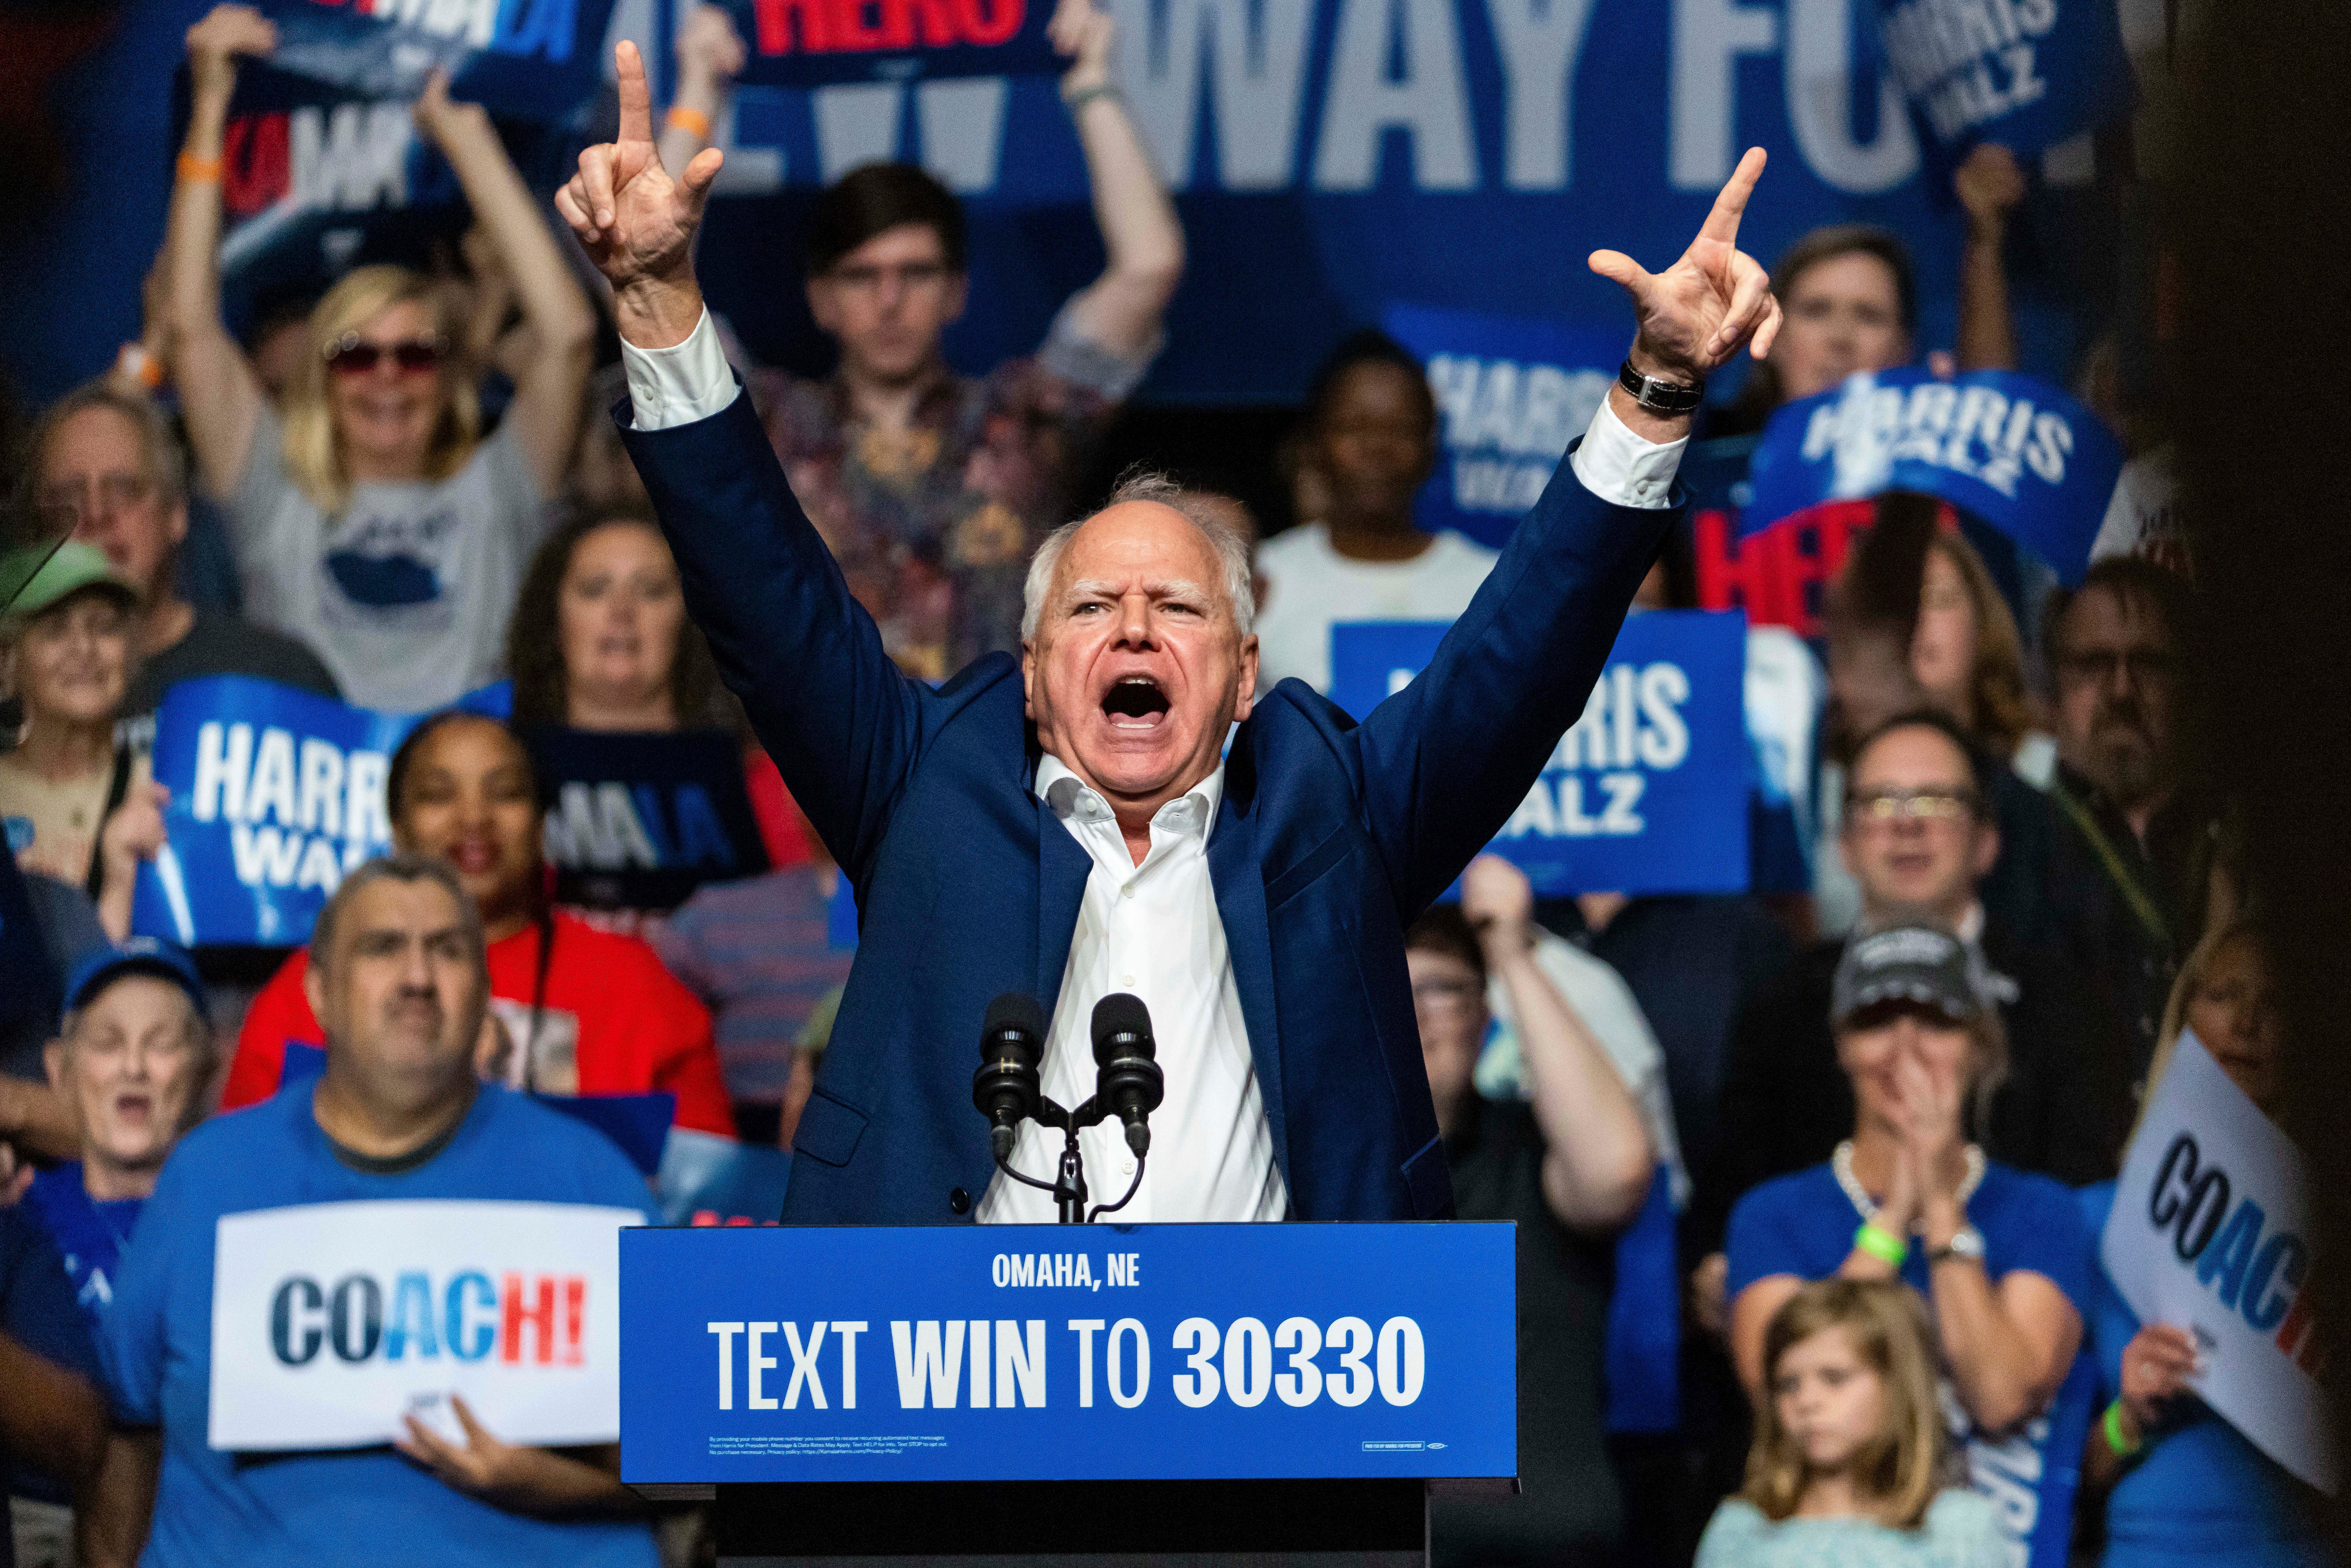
{"type": "Point", "coordinates": [1722, 223]}
{"type": "Point", "coordinates": [636, 98]}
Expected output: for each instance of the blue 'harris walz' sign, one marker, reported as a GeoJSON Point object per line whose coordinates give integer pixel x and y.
{"type": "Point", "coordinates": [1647, 792]}
{"type": "Point", "coordinates": [1048, 1352]}
{"type": "Point", "coordinates": [1510, 395]}
{"type": "Point", "coordinates": [275, 793]}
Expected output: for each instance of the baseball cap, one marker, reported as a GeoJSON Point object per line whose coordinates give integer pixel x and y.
{"type": "Point", "coordinates": [1910, 963]}
{"type": "Point", "coordinates": [102, 967]}
{"type": "Point", "coordinates": [69, 568]}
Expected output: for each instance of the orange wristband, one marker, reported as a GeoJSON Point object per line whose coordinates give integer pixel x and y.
{"type": "Point", "coordinates": [141, 366]}
{"type": "Point", "coordinates": [692, 121]}
{"type": "Point", "coordinates": [195, 170]}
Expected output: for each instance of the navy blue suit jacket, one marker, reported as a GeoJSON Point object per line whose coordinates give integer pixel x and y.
{"type": "Point", "coordinates": [1332, 837]}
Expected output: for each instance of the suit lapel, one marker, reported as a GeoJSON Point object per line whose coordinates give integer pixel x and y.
{"type": "Point", "coordinates": [1240, 903]}
{"type": "Point", "coordinates": [1062, 867]}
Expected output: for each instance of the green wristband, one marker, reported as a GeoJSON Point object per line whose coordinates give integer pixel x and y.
{"type": "Point", "coordinates": [2122, 1448]}
{"type": "Point", "coordinates": [1883, 1245]}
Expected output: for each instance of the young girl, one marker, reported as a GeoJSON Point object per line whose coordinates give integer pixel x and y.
{"type": "Point", "coordinates": [1848, 1468]}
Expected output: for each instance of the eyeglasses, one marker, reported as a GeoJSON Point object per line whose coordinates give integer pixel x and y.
{"type": "Point", "coordinates": [352, 355]}
{"type": "Point", "coordinates": [1875, 806]}
{"type": "Point", "coordinates": [1445, 996]}
{"type": "Point", "coordinates": [70, 504]}
{"type": "Point", "coordinates": [2098, 665]}
{"type": "Point", "coordinates": [910, 276]}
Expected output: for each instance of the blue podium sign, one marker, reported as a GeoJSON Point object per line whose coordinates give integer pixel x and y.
{"type": "Point", "coordinates": [1045, 1352]}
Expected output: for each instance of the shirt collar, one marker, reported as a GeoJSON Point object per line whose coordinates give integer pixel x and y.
{"type": "Point", "coordinates": [1072, 800]}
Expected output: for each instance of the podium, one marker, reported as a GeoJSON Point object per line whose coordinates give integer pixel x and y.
{"type": "Point", "coordinates": [1070, 1395]}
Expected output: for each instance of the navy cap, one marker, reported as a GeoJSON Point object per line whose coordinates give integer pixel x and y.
{"type": "Point", "coordinates": [1910, 963]}
{"type": "Point", "coordinates": [101, 966]}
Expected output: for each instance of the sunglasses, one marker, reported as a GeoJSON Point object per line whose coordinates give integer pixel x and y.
{"type": "Point", "coordinates": [352, 355]}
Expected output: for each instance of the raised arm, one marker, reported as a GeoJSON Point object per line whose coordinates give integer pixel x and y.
{"type": "Point", "coordinates": [546, 409]}
{"type": "Point", "coordinates": [1120, 310]}
{"type": "Point", "coordinates": [218, 392]}
{"type": "Point", "coordinates": [826, 701]}
{"type": "Point", "coordinates": [1988, 185]}
{"type": "Point", "coordinates": [1448, 759]}
{"type": "Point", "coordinates": [1597, 1160]}
{"type": "Point", "coordinates": [709, 56]}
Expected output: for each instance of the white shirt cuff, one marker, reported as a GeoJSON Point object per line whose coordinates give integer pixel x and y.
{"type": "Point", "coordinates": [1620, 467]}
{"type": "Point", "coordinates": [683, 382]}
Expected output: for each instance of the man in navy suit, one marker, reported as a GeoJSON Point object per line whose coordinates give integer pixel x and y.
{"type": "Point", "coordinates": [1072, 824]}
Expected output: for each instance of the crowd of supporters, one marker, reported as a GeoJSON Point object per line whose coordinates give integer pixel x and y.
{"type": "Point", "coordinates": [2012, 889]}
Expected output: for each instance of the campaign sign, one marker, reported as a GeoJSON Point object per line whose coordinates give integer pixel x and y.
{"type": "Point", "coordinates": [1510, 395]}
{"type": "Point", "coordinates": [639, 821]}
{"type": "Point", "coordinates": [2211, 1232]}
{"type": "Point", "coordinates": [1053, 1353]}
{"type": "Point", "coordinates": [2024, 73]}
{"type": "Point", "coordinates": [1647, 792]}
{"type": "Point", "coordinates": [805, 43]}
{"type": "Point", "coordinates": [275, 793]}
{"type": "Point", "coordinates": [2011, 451]}
{"type": "Point", "coordinates": [332, 1321]}
{"type": "Point", "coordinates": [540, 59]}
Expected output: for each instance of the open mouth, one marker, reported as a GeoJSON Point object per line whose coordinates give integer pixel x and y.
{"type": "Point", "coordinates": [1134, 702]}
{"type": "Point", "coordinates": [132, 1107]}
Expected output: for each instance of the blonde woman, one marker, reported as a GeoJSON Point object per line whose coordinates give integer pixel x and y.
{"type": "Point", "coordinates": [2183, 1486]}
{"type": "Point", "coordinates": [1850, 1469]}
{"type": "Point", "coordinates": [369, 517]}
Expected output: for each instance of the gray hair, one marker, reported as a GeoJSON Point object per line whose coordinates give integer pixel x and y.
{"type": "Point", "coordinates": [159, 447]}
{"type": "Point", "coordinates": [1144, 484]}
{"type": "Point", "coordinates": [402, 866]}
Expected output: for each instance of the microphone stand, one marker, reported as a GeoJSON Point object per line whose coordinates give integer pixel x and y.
{"type": "Point", "coordinates": [1069, 1185]}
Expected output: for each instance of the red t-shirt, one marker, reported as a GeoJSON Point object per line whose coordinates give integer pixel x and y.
{"type": "Point", "coordinates": [630, 1027]}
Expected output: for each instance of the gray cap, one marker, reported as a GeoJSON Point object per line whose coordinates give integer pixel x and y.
{"type": "Point", "coordinates": [1907, 963]}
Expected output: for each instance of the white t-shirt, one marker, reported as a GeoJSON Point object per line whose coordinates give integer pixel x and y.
{"type": "Point", "coordinates": [1310, 588]}
{"type": "Point", "coordinates": [406, 595]}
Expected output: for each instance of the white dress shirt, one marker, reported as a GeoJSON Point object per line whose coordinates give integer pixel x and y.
{"type": "Point", "coordinates": [1153, 929]}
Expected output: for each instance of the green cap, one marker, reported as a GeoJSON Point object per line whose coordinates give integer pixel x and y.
{"type": "Point", "coordinates": [51, 574]}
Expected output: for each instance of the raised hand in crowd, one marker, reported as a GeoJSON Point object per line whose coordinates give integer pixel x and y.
{"type": "Point", "coordinates": [1598, 1159]}
{"type": "Point", "coordinates": [1990, 186]}
{"type": "Point", "coordinates": [518, 1480]}
{"type": "Point", "coordinates": [710, 56]}
{"type": "Point", "coordinates": [636, 221]}
{"type": "Point", "coordinates": [133, 834]}
{"type": "Point", "coordinates": [1121, 309]}
{"type": "Point", "coordinates": [1694, 316]}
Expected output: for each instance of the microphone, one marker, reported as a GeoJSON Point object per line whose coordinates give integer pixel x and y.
{"type": "Point", "coordinates": [1006, 1087]}
{"type": "Point", "coordinates": [1127, 1078]}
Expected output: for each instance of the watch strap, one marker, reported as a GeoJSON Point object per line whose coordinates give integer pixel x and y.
{"type": "Point", "coordinates": [1671, 399]}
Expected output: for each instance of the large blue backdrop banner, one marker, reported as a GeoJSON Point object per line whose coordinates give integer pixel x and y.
{"type": "Point", "coordinates": [1329, 158]}
{"type": "Point", "coordinates": [2009, 450]}
{"type": "Point", "coordinates": [1647, 792]}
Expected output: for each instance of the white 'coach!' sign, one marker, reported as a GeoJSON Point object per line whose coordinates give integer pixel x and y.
{"type": "Point", "coordinates": [332, 1321]}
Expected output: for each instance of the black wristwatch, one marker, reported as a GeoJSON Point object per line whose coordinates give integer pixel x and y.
{"type": "Point", "coordinates": [1670, 398]}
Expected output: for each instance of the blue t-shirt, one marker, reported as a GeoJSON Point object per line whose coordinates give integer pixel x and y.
{"type": "Point", "coordinates": [2199, 1491]}
{"type": "Point", "coordinates": [37, 1311]}
{"type": "Point", "coordinates": [88, 1234]}
{"type": "Point", "coordinates": [1803, 1225]}
{"type": "Point", "coordinates": [328, 1507]}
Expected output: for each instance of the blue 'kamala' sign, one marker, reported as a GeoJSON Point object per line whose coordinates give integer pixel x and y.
{"type": "Point", "coordinates": [1054, 1353]}
{"type": "Point", "coordinates": [1647, 792]}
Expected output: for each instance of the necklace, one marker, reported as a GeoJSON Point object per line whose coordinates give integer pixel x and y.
{"type": "Point", "coordinates": [1841, 1165]}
